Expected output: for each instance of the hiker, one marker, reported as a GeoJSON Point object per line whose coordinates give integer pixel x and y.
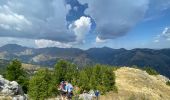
{"type": "Point", "coordinates": [92, 94]}
{"type": "Point", "coordinates": [97, 93]}
{"type": "Point", "coordinates": [69, 89]}
{"type": "Point", "coordinates": [62, 89]}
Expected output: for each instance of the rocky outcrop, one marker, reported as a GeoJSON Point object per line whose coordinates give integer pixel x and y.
{"type": "Point", "coordinates": [10, 90]}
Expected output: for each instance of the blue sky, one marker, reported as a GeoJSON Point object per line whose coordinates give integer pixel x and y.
{"type": "Point", "coordinates": [86, 23]}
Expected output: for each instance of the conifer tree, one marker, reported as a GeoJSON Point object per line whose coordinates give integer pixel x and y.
{"type": "Point", "coordinates": [15, 72]}
{"type": "Point", "coordinates": [40, 85]}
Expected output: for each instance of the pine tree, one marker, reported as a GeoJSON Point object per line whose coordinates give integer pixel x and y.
{"type": "Point", "coordinates": [14, 70]}
{"type": "Point", "coordinates": [71, 72]}
{"type": "Point", "coordinates": [16, 73]}
{"type": "Point", "coordinates": [60, 71]}
{"type": "Point", "coordinates": [40, 85]}
{"type": "Point", "coordinates": [84, 81]}
{"type": "Point", "coordinates": [108, 79]}
{"type": "Point", "coordinates": [65, 71]}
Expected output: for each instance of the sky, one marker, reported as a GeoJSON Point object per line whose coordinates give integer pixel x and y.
{"type": "Point", "coordinates": [85, 23]}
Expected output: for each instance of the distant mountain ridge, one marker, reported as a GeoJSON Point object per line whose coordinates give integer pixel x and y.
{"type": "Point", "coordinates": [157, 59]}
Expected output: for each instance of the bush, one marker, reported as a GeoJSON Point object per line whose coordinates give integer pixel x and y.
{"type": "Point", "coordinates": [168, 83]}
{"type": "Point", "coordinates": [151, 71]}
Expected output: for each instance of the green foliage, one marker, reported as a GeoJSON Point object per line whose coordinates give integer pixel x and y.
{"type": "Point", "coordinates": [99, 77]}
{"type": "Point", "coordinates": [2, 71]}
{"type": "Point", "coordinates": [84, 80]}
{"type": "Point", "coordinates": [3, 66]}
{"type": "Point", "coordinates": [14, 72]}
{"type": "Point", "coordinates": [151, 71]}
{"type": "Point", "coordinates": [168, 83]}
{"type": "Point", "coordinates": [65, 71]}
{"type": "Point", "coordinates": [41, 85]}
{"type": "Point", "coordinates": [24, 82]}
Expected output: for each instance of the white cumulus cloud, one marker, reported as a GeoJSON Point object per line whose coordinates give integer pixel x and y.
{"type": "Point", "coordinates": [81, 28]}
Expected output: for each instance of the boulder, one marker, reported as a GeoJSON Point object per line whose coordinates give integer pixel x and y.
{"type": "Point", "coordinates": [11, 89]}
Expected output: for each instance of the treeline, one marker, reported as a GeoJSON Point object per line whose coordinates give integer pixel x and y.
{"type": "Point", "coordinates": [44, 83]}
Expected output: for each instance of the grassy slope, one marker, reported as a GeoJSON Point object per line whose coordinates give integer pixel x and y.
{"type": "Point", "coordinates": [135, 84]}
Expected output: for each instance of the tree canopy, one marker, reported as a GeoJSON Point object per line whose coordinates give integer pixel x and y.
{"type": "Point", "coordinates": [15, 72]}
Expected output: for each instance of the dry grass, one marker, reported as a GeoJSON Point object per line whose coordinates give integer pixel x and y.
{"type": "Point", "coordinates": [2, 97]}
{"type": "Point", "coordinates": [135, 84]}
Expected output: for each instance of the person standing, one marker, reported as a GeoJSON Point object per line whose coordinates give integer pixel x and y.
{"type": "Point", "coordinates": [97, 93]}
{"type": "Point", "coordinates": [69, 89]}
{"type": "Point", "coordinates": [62, 90]}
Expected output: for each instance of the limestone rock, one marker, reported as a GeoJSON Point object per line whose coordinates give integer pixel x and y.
{"type": "Point", "coordinates": [10, 90]}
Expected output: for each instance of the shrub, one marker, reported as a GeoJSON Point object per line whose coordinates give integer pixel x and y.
{"type": "Point", "coordinates": [168, 83]}
{"type": "Point", "coordinates": [151, 71]}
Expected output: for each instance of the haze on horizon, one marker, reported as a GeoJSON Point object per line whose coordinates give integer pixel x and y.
{"type": "Point", "coordinates": [85, 23]}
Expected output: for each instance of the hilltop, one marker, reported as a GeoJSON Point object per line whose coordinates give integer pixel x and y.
{"type": "Point", "coordinates": [135, 84]}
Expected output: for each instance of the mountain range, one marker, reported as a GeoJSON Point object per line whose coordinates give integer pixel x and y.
{"type": "Point", "coordinates": [158, 59]}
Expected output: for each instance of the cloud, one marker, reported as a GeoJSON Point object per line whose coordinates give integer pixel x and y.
{"type": "Point", "coordinates": [159, 5]}
{"type": "Point", "coordinates": [39, 19]}
{"type": "Point", "coordinates": [81, 28]}
{"type": "Point", "coordinates": [39, 43]}
{"type": "Point", "coordinates": [10, 20]}
{"type": "Point", "coordinates": [166, 33]}
{"type": "Point", "coordinates": [49, 43]}
{"type": "Point", "coordinates": [117, 18]}
{"type": "Point", "coordinates": [98, 40]}
{"type": "Point", "coordinates": [164, 36]}
{"type": "Point", "coordinates": [156, 40]}
{"type": "Point", "coordinates": [157, 9]}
